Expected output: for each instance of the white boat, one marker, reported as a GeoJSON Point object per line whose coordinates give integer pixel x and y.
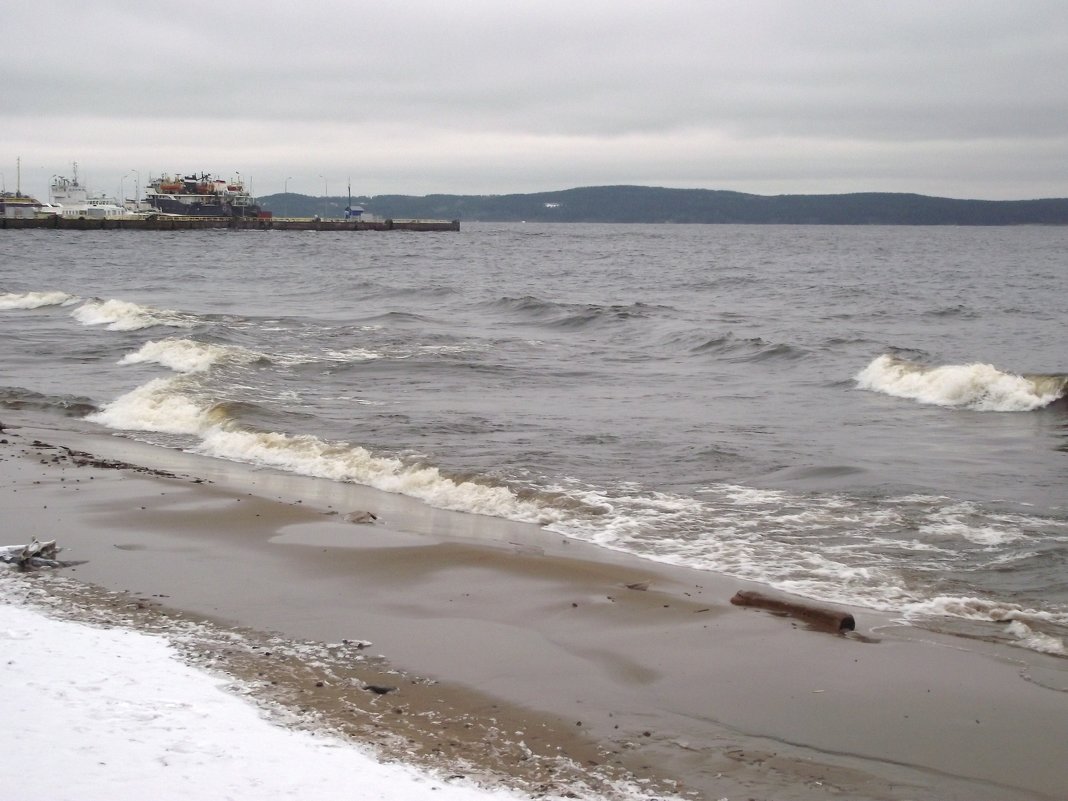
{"type": "Point", "coordinates": [71, 201]}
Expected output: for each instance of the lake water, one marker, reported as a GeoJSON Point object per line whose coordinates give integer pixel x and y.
{"type": "Point", "coordinates": [869, 415]}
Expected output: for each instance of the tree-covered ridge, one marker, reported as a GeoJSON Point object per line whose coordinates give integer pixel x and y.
{"type": "Point", "coordinates": [646, 204]}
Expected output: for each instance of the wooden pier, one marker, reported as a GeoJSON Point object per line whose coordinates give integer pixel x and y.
{"type": "Point", "coordinates": [169, 223]}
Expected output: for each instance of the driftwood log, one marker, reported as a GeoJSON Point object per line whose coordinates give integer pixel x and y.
{"type": "Point", "coordinates": [816, 616]}
{"type": "Point", "coordinates": [33, 555]}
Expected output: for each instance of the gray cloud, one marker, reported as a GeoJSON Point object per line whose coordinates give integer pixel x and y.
{"type": "Point", "coordinates": [952, 98]}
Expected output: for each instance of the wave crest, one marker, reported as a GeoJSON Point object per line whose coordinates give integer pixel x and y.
{"type": "Point", "coordinates": [168, 405]}
{"type": "Point", "coordinates": [187, 355]}
{"type": "Point", "coordinates": [159, 405]}
{"type": "Point", "coordinates": [981, 387]}
{"type": "Point", "coordinates": [749, 349]}
{"type": "Point", "coordinates": [121, 315]}
{"type": "Point", "coordinates": [34, 300]}
{"type": "Point", "coordinates": [1023, 624]}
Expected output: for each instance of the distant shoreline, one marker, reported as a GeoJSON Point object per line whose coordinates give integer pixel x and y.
{"type": "Point", "coordinates": [647, 204]}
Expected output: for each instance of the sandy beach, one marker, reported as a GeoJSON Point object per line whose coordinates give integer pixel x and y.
{"type": "Point", "coordinates": [503, 650]}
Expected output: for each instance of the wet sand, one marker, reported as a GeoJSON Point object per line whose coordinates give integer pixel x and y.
{"type": "Point", "coordinates": [488, 628]}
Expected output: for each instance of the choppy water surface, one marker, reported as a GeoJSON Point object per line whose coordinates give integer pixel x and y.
{"type": "Point", "coordinates": [868, 415]}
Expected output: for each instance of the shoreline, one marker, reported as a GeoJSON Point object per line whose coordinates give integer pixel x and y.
{"type": "Point", "coordinates": [667, 683]}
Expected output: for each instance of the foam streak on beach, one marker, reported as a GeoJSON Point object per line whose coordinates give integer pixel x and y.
{"type": "Point", "coordinates": [542, 418]}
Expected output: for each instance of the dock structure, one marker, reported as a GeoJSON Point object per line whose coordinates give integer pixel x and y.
{"type": "Point", "coordinates": [162, 222]}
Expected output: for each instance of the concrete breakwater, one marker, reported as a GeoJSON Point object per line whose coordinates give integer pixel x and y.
{"type": "Point", "coordinates": [169, 223]}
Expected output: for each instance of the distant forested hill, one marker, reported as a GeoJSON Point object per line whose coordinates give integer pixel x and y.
{"type": "Point", "coordinates": [638, 204]}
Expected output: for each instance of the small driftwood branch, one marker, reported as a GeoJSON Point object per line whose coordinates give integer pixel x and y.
{"type": "Point", "coordinates": [816, 616]}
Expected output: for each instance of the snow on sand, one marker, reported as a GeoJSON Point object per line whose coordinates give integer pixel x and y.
{"type": "Point", "coordinates": [91, 713]}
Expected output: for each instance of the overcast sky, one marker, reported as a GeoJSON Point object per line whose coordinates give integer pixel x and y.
{"type": "Point", "coordinates": [959, 98]}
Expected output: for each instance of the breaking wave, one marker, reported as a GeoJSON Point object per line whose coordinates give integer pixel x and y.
{"type": "Point", "coordinates": [981, 387]}
{"type": "Point", "coordinates": [188, 356]}
{"type": "Point", "coordinates": [170, 405]}
{"type": "Point", "coordinates": [192, 356]}
{"type": "Point", "coordinates": [35, 300]}
{"type": "Point", "coordinates": [1023, 625]}
{"type": "Point", "coordinates": [121, 315]}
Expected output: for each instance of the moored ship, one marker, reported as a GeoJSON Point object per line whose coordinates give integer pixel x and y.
{"type": "Point", "coordinates": [71, 200]}
{"type": "Point", "coordinates": [201, 196]}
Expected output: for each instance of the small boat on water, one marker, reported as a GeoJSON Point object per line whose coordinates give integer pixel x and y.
{"type": "Point", "coordinates": [201, 196]}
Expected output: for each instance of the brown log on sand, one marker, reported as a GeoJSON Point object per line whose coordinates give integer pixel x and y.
{"type": "Point", "coordinates": [816, 616]}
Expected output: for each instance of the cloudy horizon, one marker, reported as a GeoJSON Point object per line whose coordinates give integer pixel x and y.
{"type": "Point", "coordinates": [955, 99]}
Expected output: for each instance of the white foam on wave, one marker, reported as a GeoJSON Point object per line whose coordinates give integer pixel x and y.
{"type": "Point", "coordinates": [340, 356]}
{"type": "Point", "coordinates": [981, 387]}
{"type": "Point", "coordinates": [972, 608]}
{"type": "Point", "coordinates": [34, 300]}
{"type": "Point", "coordinates": [121, 315]}
{"type": "Point", "coordinates": [340, 461]}
{"type": "Point", "coordinates": [158, 406]}
{"type": "Point", "coordinates": [760, 535]}
{"type": "Point", "coordinates": [828, 548]}
{"type": "Point", "coordinates": [467, 347]}
{"type": "Point", "coordinates": [187, 355]}
{"type": "Point", "coordinates": [1022, 622]}
{"type": "Point", "coordinates": [167, 405]}
{"type": "Point", "coordinates": [1027, 637]}
{"type": "Point", "coordinates": [352, 354]}
{"type": "Point", "coordinates": [952, 522]}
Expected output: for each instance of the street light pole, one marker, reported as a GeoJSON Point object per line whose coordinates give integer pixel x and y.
{"type": "Point", "coordinates": [285, 196]}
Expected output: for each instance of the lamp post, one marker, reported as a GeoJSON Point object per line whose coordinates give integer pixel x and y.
{"type": "Point", "coordinates": [285, 196]}
{"type": "Point", "coordinates": [325, 193]}
{"type": "Point", "coordinates": [137, 190]}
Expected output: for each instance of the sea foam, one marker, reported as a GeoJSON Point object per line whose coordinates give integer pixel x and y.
{"type": "Point", "coordinates": [1022, 624]}
{"type": "Point", "coordinates": [981, 387]}
{"type": "Point", "coordinates": [159, 405]}
{"type": "Point", "coordinates": [1036, 640]}
{"type": "Point", "coordinates": [121, 315]}
{"type": "Point", "coordinates": [169, 405]}
{"type": "Point", "coordinates": [188, 356]}
{"type": "Point", "coordinates": [34, 300]}
{"type": "Point", "coordinates": [971, 608]}
{"type": "Point", "coordinates": [340, 461]}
